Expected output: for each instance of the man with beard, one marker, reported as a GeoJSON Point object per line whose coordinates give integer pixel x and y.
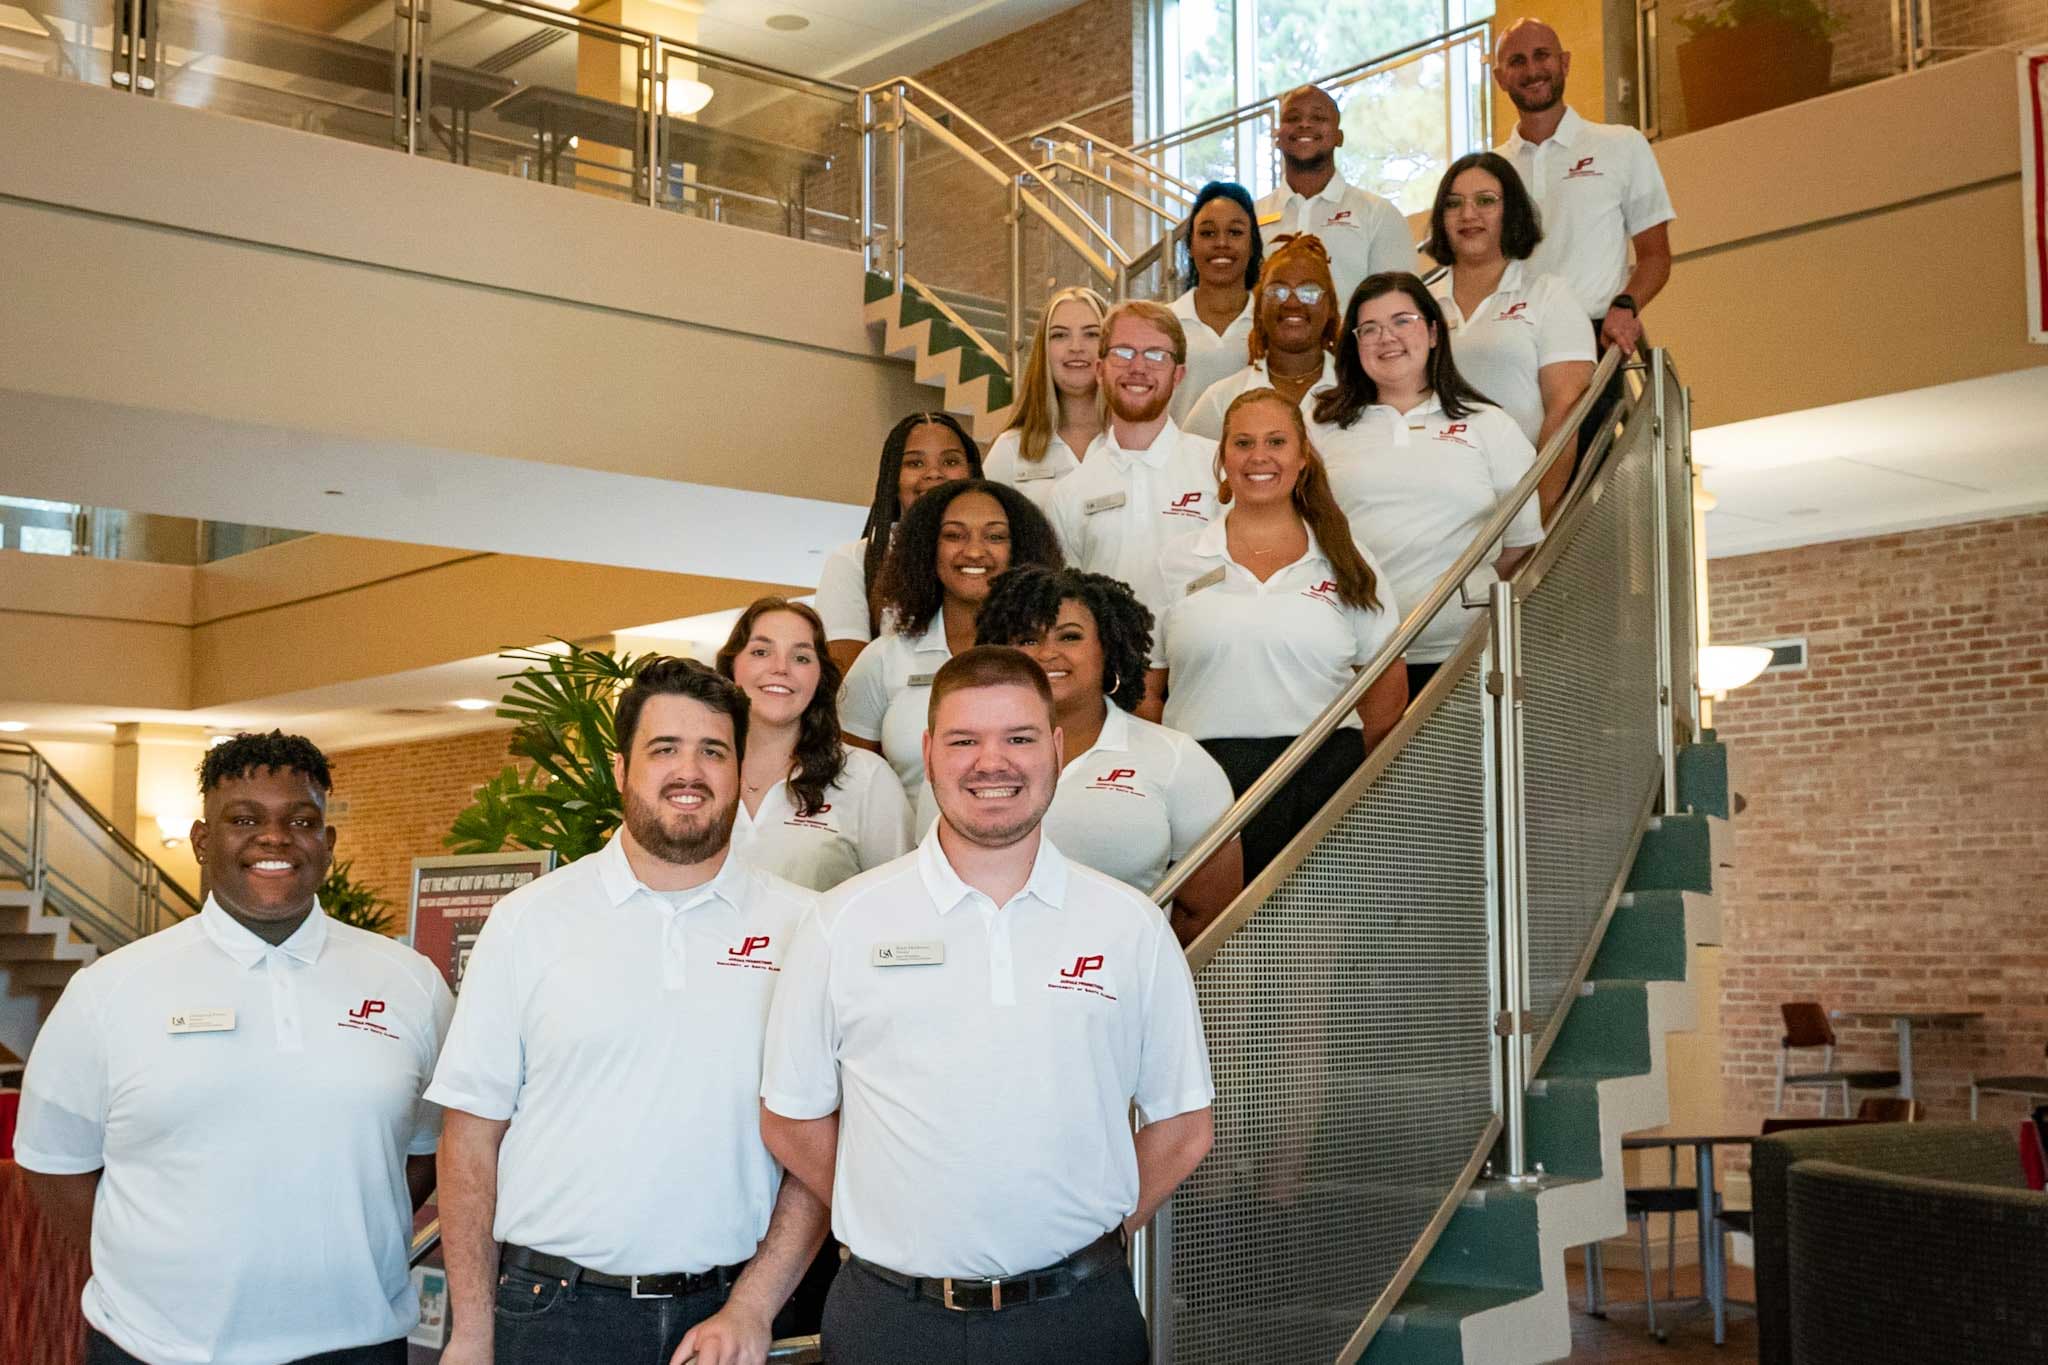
{"type": "Point", "coordinates": [230, 1108]}
{"type": "Point", "coordinates": [1596, 184]}
{"type": "Point", "coordinates": [953, 1057]}
{"type": "Point", "coordinates": [1364, 233]}
{"type": "Point", "coordinates": [605, 1195]}
{"type": "Point", "coordinates": [1143, 480]}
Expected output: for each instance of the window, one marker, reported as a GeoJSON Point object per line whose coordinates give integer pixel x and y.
{"type": "Point", "coordinates": [1403, 122]}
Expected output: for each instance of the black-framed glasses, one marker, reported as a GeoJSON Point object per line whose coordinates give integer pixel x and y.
{"type": "Point", "coordinates": [1369, 332]}
{"type": "Point", "coordinates": [1309, 294]}
{"type": "Point", "coordinates": [1151, 355]}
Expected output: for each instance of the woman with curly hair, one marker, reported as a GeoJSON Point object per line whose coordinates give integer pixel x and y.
{"type": "Point", "coordinates": [1133, 796]}
{"type": "Point", "coordinates": [920, 452]}
{"type": "Point", "coordinates": [949, 547]}
{"type": "Point", "coordinates": [1293, 337]}
{"type": "Point", "coordinates": [811, 810]}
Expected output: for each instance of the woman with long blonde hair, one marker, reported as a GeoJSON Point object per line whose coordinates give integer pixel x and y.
{"type": "Point", "coordinates": [1058, 412]}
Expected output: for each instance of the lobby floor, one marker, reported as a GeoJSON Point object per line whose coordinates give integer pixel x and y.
{"type": "Point", "coordinates": [1622, 1340]}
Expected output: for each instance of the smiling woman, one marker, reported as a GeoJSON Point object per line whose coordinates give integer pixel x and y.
{"type": "Point", "coordinates": [1221, 259]}
{"type": "Point", "coordinates": [1293, 333]}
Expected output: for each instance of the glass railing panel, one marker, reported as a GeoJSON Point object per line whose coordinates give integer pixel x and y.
{"type": "Point", "coordinates": [958, 240]}
{"type": "Point", "coordinates": [89, 875]}
{"type": "Point", "coordinates": [1703, 76]}
{"type": "Point", "coordinates": [226, 539]}
{"type": "Point", "coordinates": [72, 40]}
{"type": "Point", "coordinates": [17, 813]}
{"type": "Point", "coordinates": [41, 526]}
{"type": "Point", "coordinates": [1350, 1034]}
{"type": "Point", "coordinates": [38, 525]}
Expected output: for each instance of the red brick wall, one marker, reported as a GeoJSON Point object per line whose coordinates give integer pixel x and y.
{"type": "Point", "coordinates": [403, 797]}
{"type": "Point", "coordinates": [1894, 850]}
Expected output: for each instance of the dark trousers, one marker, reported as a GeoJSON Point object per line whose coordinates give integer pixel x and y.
{"type": "Point", "coordinates": [99, 1350]}
{"type": "Point", "coordinates": [543, 1321]}
{"type": "Point", "coordinates": [870, 1322]}
{"type": "Point", "coordinates": [1418, 677]}
{"type": "Point", "coordinates": [1604, 403]}
{"type": "Point", "coordinates": [1244, 761]}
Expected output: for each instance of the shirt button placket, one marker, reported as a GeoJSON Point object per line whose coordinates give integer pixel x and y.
{"type": "Point", "coordinates": [1002, 970]}
{"type": "Point", "coordinates": [284, 1001]}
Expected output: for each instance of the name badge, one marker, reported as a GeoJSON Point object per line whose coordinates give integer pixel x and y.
{"type": "Point", "coordinates": [1034, 472]}
{"type": "Point", "coordinates": [1207, 580]}
{"type": "Point", "coordinates": [908, 954]}
{"type": "Point", "coordinates": [203, 1021]}
{"type": "Point", "coordinates": [1107, 502]}
{"type": "Point", "coordinates": [921, 680]}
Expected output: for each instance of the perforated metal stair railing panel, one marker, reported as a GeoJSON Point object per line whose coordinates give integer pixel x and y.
{"type": "Point", "coordinates": [1357, 998]}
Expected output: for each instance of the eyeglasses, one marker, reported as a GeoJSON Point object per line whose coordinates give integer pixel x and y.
{"type": "Point", "coordinates": [1152, 355]}
{"type": "Point", "coordinates": [1369, 332]}
{"type": "Point", "coordinates": [1309, 294]}
{"type": "Point", "coordinates": [1485, 199]}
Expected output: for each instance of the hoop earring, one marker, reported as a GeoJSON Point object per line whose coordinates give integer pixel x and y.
{"type": "Point", "coordinates": [1115, 681]}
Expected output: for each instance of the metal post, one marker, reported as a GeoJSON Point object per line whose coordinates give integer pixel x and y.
{"type": "Point", "coordinates": [900, 191]}
{"type": "Point", "coordinates": [1647, 71]}
{"type": "Point", "coordinates": [865, 209]}
{"type": "Point", "coordinates": [657, 110]}
{"type": "Point", "coordinates": [412, 77]}
{"type": "Point", "coordinates": [1505, 687]}
{"type": "Point", "coordinates": [39, 825]}
{"type": "Point", "coordinates": [1660, 529]}
{"type": "Point", "coordinates": [1016, 224]}
{"type": "Point", "coordinates": [1151, 1265]}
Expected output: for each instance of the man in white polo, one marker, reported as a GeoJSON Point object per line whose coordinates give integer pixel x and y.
{"type": "Point", "coordinates": [1363, 232]}
{"type": "Point", "coordinates": [605, 1195]}
{"type": "Point", "coordinates": [954, 1054]}
{"type": "Point", "coordinates": [1143, 480]}
{"type": "Point", "coordinates": [229, 1109]}
{"type": "Point", "coordinates": [1596, 185]}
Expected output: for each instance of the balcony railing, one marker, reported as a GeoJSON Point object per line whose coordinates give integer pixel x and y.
{"type": "Point", "coordinates": [44, 526]}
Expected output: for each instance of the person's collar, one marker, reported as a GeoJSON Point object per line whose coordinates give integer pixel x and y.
{"type": "Point", "coordinates": [1331, 192]}
{"type": "Point", "coordinates": [1184, 306]}
{"type": "Point", "coordinates": [1211, 542]}
{"type": "Point", "coordinates": [934, 636]}
{"type": "Point", "coordinates": [621, 883]}
{"type": "Point", "coordinates": [1568, 129]}
{"type": "Point", "coordinates": [1047, 882]}
{"type": "Point", "coordinates": [1431, 406]}
{"type": "Point", "coordinates": [235, 939]}
{"type": "Point", "coordinates": [1152, 456]}
{"type": "Point", "coordinates": [1115, 735]}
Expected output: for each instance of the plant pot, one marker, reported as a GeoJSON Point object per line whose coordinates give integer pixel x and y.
{"type": "Point", "coordinates": [1731, 73]}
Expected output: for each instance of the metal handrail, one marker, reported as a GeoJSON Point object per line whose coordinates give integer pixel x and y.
{"type": "Point", "coordinates": [952, 316]}
{"type": "Point", "coordinates": [1125, 154]}
{"type": "Point", "coordinates": [740, 66]}
{"type": "Point", "coordinates": [1399, 56]}
{"type": "Point", "coordinates": [1412, 625]}
{"type": "Point", "coordinates": [99, 821]}
{"type": "Point", "coordinates": [1047, 169]}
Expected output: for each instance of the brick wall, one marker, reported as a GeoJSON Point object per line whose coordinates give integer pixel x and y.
{"type": "Point", "coordinates": [1893, 851]}
{"type": "Point", "coordinates": [403, 797]}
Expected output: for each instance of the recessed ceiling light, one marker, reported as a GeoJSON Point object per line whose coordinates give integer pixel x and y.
{"type": "Point", "coordinates": [472, 704]}
{"type": "Point", "coordinates": [216, 741]}
{"type": "Point", "coordinates": [788, 23]}
{"type": "Point", "coordinates": [13, 727]}
{"type": "Point", "coordinates": [332, 492]}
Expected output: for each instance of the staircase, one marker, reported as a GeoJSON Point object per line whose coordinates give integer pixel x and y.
{"type": "Point", "coordinates": [944, 350]}
{"type": "Point", "coordinates": [71, 885]}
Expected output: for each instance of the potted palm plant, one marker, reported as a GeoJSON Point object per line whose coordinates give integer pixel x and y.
{"type": "Point", "coordinates": [1746, 56]}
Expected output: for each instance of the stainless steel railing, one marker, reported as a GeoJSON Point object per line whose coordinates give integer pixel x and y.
{"type": "Point", "coordinates": [1377, 1000]}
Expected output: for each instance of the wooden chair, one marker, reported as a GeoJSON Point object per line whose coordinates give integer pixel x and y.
{"type": "Point", "coordinates": [1807, 1026]}
{"type": "Point", "coordinates": [1889, 1109]}
{"type": "Point", "coordinates": [2035, 1088]}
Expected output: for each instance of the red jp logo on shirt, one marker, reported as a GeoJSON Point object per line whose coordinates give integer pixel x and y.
{"type": "Point", "coordinates": [1075, 978]}
{"type": "Point", "coordinates": [1581, 168]}
{"type": "Point", "coordinates": [1325, 591]}
{"type": "Point", "coordinates": [743, 956]}
{"type": "Point", "coordinates": [1115, 780]}
{"type": "Point", "coordinates": [1454, 432]}
{"type": "Point", "coordinates": [1515, 312]}
{"type": "Point", "coordinates": [1188, 505]}
{"type": "Point", "coordinates": [815, 820]}
{"type": "Point", "coordinates": [363, 1019]}
{"type": "Point", "coordinates": [1340, 216]}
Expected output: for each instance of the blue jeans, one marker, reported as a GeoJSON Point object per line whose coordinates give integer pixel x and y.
{"type": "Point", "coordinates": [542, 1321]}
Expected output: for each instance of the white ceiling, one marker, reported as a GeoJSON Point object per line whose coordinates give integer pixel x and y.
{"type": "Point", "coordinates": [1926, 457]}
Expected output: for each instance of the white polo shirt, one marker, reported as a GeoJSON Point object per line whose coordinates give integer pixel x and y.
{"type": "Point", "coordinates": [886, 697]}
{"type": "Point", "coordinates": [619, 1029]}
{"type": "Point", "coordinates": [252, 1107]}
{"type": "Point", "coordinates": [1417, 488]}
{"type": "Point", "coordinates": [842, 599]}
{"type": "Point", "coordinates": [1120, 507]}
{"type": "Point", "coordinates": [1596, 186]}
{"type": "Point", "coordinates": [864, 822]}
{"type": "Point", "coordinates": [1363, 233]}
{"type": "Point", "coordinates": [1252, 660]}
{"type": "Point", "coordinates": [1210, 356]}
{"type": "Point", "coordinates": [1207, 417]}
{"type": "Point", "coordinates": [1035, 479]}
{"type": "Point", "coordinates": [1527, 322]}
{"type": "Point", "coordinates": [984, 1098]}
{"type": "Point", "coordinates": [1133, 803]}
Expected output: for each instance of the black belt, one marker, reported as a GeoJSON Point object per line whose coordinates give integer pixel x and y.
{"type": "Point", "coordinates": [639, 1286]}
{"type": "Point", "coordinates": [1011, 1291]}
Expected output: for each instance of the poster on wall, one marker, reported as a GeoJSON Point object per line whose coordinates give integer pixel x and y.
{"type": "Point", "coordinates": [2034, 185]}
{"type": "Point", "coordinates": [452, 896]}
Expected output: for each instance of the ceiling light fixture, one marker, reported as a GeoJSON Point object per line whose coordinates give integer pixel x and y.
{"type": "Point", "coordinates": [217, 740]}
{"type": "Point", "coordinates": [788, 23]}
{"type": "Point", "coordinates": [472, 704]}
{"type": "Point", "coordinates": [685, 96]}
{"type": "Point", "coordinates": [13, 727]}
{"type": "Point", "coordinates": [174, 829]}
{"type": "Point", "coordinates": [1723, 668]}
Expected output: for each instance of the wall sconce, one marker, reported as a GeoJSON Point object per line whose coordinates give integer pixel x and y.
{"type": "Point", "coordinates": [174, 830]}
{"type": "Point", "coordinates": [1723, 668]}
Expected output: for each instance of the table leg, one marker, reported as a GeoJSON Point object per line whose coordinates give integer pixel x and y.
{"type": "Point", "coordinates": [1710, 1241]}
{"type": "Point", "coordinates": [1905, 1029]}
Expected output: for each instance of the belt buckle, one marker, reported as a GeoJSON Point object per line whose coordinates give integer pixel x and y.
{"type": "Point", "coordinates": [995, 1295]}
{"type": "Point", "coordinates": [634, 1290]}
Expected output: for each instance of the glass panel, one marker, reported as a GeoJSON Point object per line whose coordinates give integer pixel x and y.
{"type": "Point", "coordinates": [957, 244]}
{"type": "Point", "coordinates": [90, 876]}
{"type": "Point", "coordinates": [40, 526]}
{"type": "Point", "coordinates": [69, 39]}
{"type": "Point", "coordinates": [1705, 77]}
{"type": "Point", "coordinates": [17, 805]}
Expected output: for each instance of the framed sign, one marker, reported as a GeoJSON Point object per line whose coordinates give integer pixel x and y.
{"type": "Point", "coordinates": [2034, 185]}
{"type": "Point", "coordinates": [452, 896]}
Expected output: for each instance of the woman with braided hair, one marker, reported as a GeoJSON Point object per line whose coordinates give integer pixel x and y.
{"type": "Point", "coordinates": [1294, 333]}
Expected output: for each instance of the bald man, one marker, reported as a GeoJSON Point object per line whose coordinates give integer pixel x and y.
{"type": "Point", "coordinates": [1606, 214]}
{"type": "Point", "coordinates": [1363, 232]}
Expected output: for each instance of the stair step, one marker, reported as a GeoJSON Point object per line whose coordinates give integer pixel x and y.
{"type": "Point", "coordinates": [1645, 939]}
{"type": "Point", "coordinates": [41, 975]}
{"type": "Point", "coordinates": [1490, 1242]}
{"type": "Point", "coordinates": [1427, 1328]}
{"type": "Point", "coordinates": [1606, 1033]}
{"type": "Point", "coordinates": [27, 947]}
{"type": "Point", "coordinates": [1703, 779]}
{"type": "Point", "coordinates": [1562, 1126]}
{"type": "Point", "coordinates": [1676, 855]}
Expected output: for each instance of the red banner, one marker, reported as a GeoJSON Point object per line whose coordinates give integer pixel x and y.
{"type": "Point", "coordinates": [452, 897]}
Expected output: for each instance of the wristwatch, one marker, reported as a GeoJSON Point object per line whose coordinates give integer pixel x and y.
{"type": "Point", "coordinates": [1626, 301]}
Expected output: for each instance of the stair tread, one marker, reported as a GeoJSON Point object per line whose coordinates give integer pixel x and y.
{"type": "Point", "coordinates": [1428, 1303]}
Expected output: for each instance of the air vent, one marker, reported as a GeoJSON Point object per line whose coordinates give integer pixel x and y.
{"type": "Point", "coordinates": [411, 711]}
{"type": "Point", "coordinates": [1786, 655]}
